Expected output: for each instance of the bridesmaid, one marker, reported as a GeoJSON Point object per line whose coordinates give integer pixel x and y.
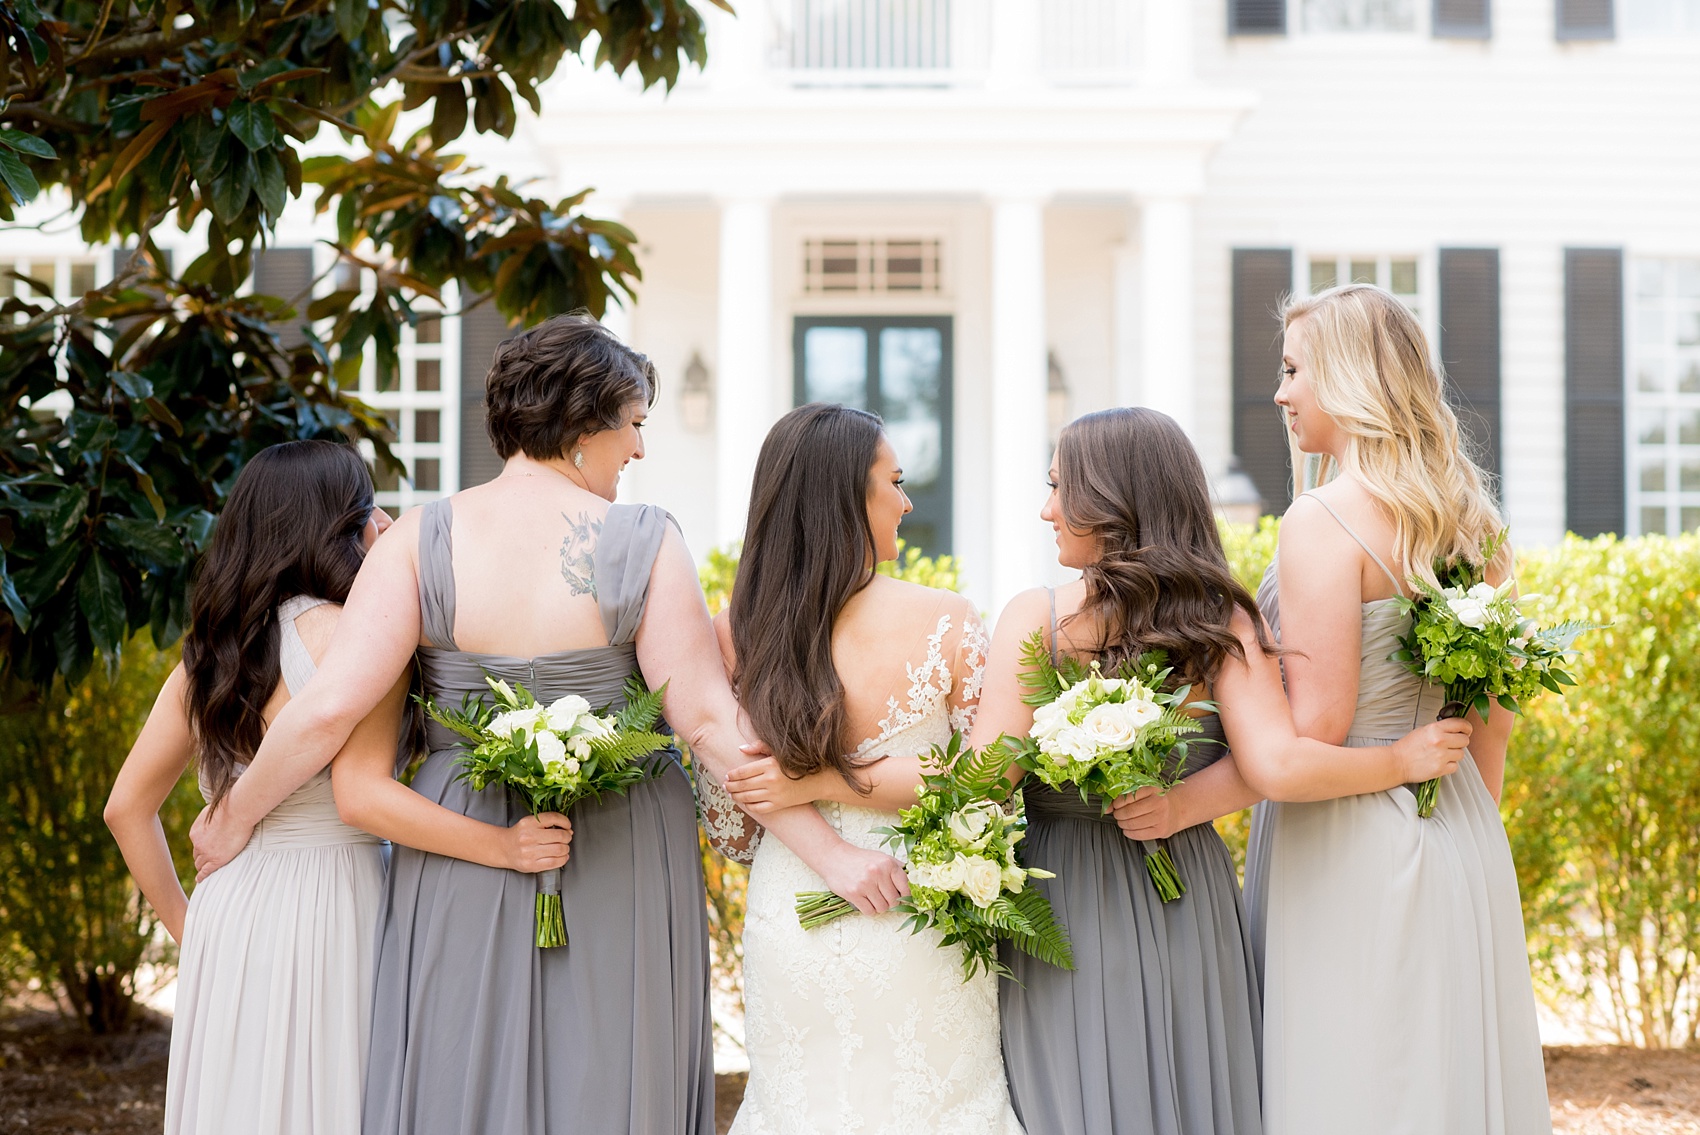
{"type": "Point", "coordinates": [284, 934]}
{"type": "Point", "coordinates": [536, 577]}
{"type": "Point", "coordinates": [1397, 993]}
{"type": "Point", "coordinates": [1155, 1032]}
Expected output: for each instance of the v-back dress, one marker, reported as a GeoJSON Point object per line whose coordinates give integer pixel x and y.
{"type": "Point", "coordinates": [1155, 1031]}
{"type": "Point", "coordinates": [861, 1026]}
{"type": "Point", "coordinates": [274, 984]}
{"type": "Point", "coordinates": [475, 1029]}
{"type": "Point", "coordinates": [1395, 972]}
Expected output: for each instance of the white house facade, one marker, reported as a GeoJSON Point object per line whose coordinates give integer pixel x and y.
{"type": "Point", "coordinates": [982, 217]}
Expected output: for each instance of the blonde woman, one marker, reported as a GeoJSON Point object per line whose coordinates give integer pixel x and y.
{"type": "Point", "coordinates": [1395, 972]}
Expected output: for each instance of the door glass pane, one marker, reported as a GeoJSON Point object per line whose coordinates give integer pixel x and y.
{"type": "Point", "coordinates": [1321, 275]}
{"type": "Point", "coordinates": [835, 365]}
{"type": "Point", "coordinates": [1688, 479]}
{"type": "Point", "coordinates": [1652, 519]}
{"type": "Point", "coordinates": [1688, 428]}
{"type": "Point", "coordinates": [1653, 475]}
{"type": "Point", "coordinates": [910, 358]}
{"type": "Point", "coordinates": [1403, 278]}
{"type": "Point", "coordinates": [1363, 271]}
{"type": "Point", "coordinates": [1651, 427]}
{"type": "Point", "coordinates": [1690, 519]}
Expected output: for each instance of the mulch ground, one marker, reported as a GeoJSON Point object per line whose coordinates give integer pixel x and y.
{"type": "Point", "coordinates": [57, 1080]}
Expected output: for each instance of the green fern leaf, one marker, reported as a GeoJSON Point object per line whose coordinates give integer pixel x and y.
{"type": "Point", "coordinates": [1049, 941]}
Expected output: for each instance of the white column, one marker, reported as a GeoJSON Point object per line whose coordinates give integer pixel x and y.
{"type": "Point", "coordinates": [743, 383]}
{"type": "Point", "coordinates": [1165, 248]}
{"type": "Point", "coordinates": [1168, 42]}
{"type": "Point", "coordinates": [1019, 443]}
{"type": "Point", "coordinates": [1127, 266]}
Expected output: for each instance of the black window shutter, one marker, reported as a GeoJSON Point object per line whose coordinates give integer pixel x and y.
{"type": "Point", "coordinates": [286, 273]}
{"type": "Point", "coordinates": [1585, 19]}
{"type": "Point", "coordinates": [1469, 346]}
{"type": "Point", "coordinates": [1263, 277]}
{"type": "Point", "coordinates": [1257, 17]}
{"type": "Point", "coordinates": [1463, 19]}
{"type": "Point", "coordinates": [481, 329]}
{"type": "Point", "coordinates": [1593, 386]}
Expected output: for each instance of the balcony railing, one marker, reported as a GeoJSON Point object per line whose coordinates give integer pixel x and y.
{"type": "Point", "coordinates": [948, 42]}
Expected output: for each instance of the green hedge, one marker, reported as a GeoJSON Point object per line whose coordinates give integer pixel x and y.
{"type": "Point", "coordinates": [73, 920]}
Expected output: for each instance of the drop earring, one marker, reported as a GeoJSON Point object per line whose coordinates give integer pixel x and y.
{"type": "Point", "coordinates": [578, 459]}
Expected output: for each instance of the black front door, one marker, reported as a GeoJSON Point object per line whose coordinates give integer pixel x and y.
{"type": "Point", "coordinates": [899, 367]}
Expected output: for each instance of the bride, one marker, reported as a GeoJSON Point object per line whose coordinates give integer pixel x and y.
{"type": "Point", "coordinates": [859, 1025]}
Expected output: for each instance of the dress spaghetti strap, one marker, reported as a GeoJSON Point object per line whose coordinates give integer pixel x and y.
{"type": "Point", "coordinates": [1398, 588]}
{"type": "Point", "coordinates": [1052, 593]}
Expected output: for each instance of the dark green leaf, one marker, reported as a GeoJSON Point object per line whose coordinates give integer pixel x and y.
{"type": "Point", "coordinates": [350, 19]}
{"type": "Point", "coordinates": [68, 510]}
{"type": "Point", "coordinates": [27, 144]}
{"type": "Point", "coordinates": [269, 183]}
{"type": "Point", "coordinates": [156, 541]}
{"type": "Point", "coordinates": [251, 123]}
{"type": "Point", "coordinates": [230, 192]}
{"type": "Point", "coordinates": [133, 385]}
{"type": "Point", "coordinates": [101, 596]}
{"type": "Point", "coordinates": [18, 179]}
{"type": "Point", "coordinates": [9, 596]}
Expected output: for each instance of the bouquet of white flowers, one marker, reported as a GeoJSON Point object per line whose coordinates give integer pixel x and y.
{"type": "Point", "coordinates": [964, 877]}
{"type": "Point", "coordinates": [1107, 736]}
{"type": "Point", "coordinates": [553, 756]}
{"type": "Point", "coordinates": [1472, 638]}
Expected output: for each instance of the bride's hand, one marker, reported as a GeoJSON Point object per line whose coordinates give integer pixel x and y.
{"type": "Point", "coordinates": [1432, 751]}
{"type": "Point", "coordinates": [872, 880]}
{"type": "Point", "coordinates": [761, 786]}
{"type": "Point", "coordinates": [538, 843]}
{"type": "Point", "coordinates": [216, 840]}
{"type": "Point", "coordinates": [1147, 814]}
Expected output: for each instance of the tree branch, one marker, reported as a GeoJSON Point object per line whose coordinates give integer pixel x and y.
{"type": "Point", "coordinates": [47, 117]}
{"type": "Point", "coordinates": [144, 44]}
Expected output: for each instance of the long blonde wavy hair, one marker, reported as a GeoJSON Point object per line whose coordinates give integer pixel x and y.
{"type": "Point", "coordinates": [1372, 371]}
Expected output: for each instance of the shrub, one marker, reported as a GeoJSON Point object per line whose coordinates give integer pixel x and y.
{"type": "Point", "coordinates": [73, 919]}
{"type": "Point", "coordinates": [1602, 798]}
{"type": "Point", "coordinates": [1250, 548]}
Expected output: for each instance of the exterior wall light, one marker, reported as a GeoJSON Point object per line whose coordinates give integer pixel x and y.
{"type": "Point", "coordinates": [696, 397]}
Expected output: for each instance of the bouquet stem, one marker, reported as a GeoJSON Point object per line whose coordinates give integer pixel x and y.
{"type": "Point", "coordinates": [1162, 870]}
{"type": "Point", "coordinates": [551, 928]}
{"type": "Point", "coordinates": [817, 908]}
{"type": "Point", "coordinates": [1428, 792]}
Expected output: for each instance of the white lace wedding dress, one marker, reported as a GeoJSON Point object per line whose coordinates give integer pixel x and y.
{"type": "Point", "coordinates": [862, 1026]}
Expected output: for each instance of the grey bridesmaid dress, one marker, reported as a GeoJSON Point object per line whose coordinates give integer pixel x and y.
{"type": "Point", "coordinates": [474, 1028]}
{"type": "Point", "coordinates": [1156, 1031]}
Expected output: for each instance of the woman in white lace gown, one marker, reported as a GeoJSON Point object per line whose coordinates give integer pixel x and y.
{"type": "Point", "coordinates": [275, 987]}
{"type": "Point", "coordinates": [861, 1025]}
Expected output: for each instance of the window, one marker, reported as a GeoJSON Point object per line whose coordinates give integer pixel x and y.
{"type": "Point", "coordinates": [422, 402]}
{"type": "Point", "coordinates": [1398, 274]}
{"type": "Point", "coordinates": [64, 278]}
{"type": "Point", "coordinates": [1661, 17]}
{"type": "Point", "coordinates": [1359, 15]}
{"type": "Point", "coordinates": [1664, 396]}
{"type": "Point", "coordinates": [853, 264]}
{"type": "Point", "coordinates": [900, 368]}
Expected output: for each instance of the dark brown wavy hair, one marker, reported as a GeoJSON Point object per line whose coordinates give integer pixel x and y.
{"type": "Point", "coordinates": [291, 526]}
{"type": "Point", "coordinates": [808, 548]}
{"type": "Point", "coordinates": [563, 380]}
{"type": "Point", "coordinates": [1161, 582]}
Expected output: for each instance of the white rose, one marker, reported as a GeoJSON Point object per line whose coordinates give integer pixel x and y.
{"type": "Point", "coordinates": [516, 721]}
{"type": "Point", "coordinates": [971, 825]}
{"type": "Point", "coordinates": [1483, 593]}
{"type": "Point", "coordinates": [1470, 612]}
{"type": "Point", "coordinates": [564, 713]}
{"type": "Point", "coordinates": [946, 876]}
{"type": "Point", "coordinates": [1111, 726]}
{"type": "Point", "coordinates": [1452, 592]}
{"type": "Point", "coordinates": [1143, 713]}
{"type": "Point", "coordinates": [551, 750]}
{"type": "Point", "coordinates": [982, 879]}
{"type": "Point", "coordinates": [921, 875]}
{"type": "Point", "coordinates": [1047, 719]}
{"type": "Point", "coordinates": [1077, 744]}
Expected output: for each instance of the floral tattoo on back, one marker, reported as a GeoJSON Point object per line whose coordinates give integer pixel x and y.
{"type": "Point", "coordinates": [578, 553]}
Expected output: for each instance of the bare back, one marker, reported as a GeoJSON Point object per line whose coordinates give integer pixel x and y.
{"type": "Point", "coordinates": [524, 567]}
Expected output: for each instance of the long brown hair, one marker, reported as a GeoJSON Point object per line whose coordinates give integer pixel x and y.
{"type": "Point", "coordinates": [808, 548]}
{"type": "Point", "coordinates": [1132, 478]}
{"type": "Point", "coordinates": [291, 526]}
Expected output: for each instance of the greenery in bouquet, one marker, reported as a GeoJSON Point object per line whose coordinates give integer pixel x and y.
{"type": "Point", "coordinates": [1107, 736]}
{"type": "Point", "coordinates": [965, 878]}
{"type": "Point", "coordinates": [553, 756]}
{"type": "Point", "coordinates": [1473, 639]}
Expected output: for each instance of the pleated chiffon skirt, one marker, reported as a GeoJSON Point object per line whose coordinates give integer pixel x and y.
{"type": "Point", "coordinates": [1156, 1030]}
{"type": "Point", "coordinates": [274, 992]}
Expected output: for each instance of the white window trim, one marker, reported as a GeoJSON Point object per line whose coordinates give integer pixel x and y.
{"type": "Point", "coordinates": [1636, 402]}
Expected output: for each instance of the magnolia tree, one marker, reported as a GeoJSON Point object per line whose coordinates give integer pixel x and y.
{"type": "Point", "coordinates": [128, 410]}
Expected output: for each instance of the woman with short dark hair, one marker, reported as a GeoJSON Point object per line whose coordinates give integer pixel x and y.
{"type": "Point", "coordinates": [536, 578]}
{"type": "Point", "coordinates": [285, 933]}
